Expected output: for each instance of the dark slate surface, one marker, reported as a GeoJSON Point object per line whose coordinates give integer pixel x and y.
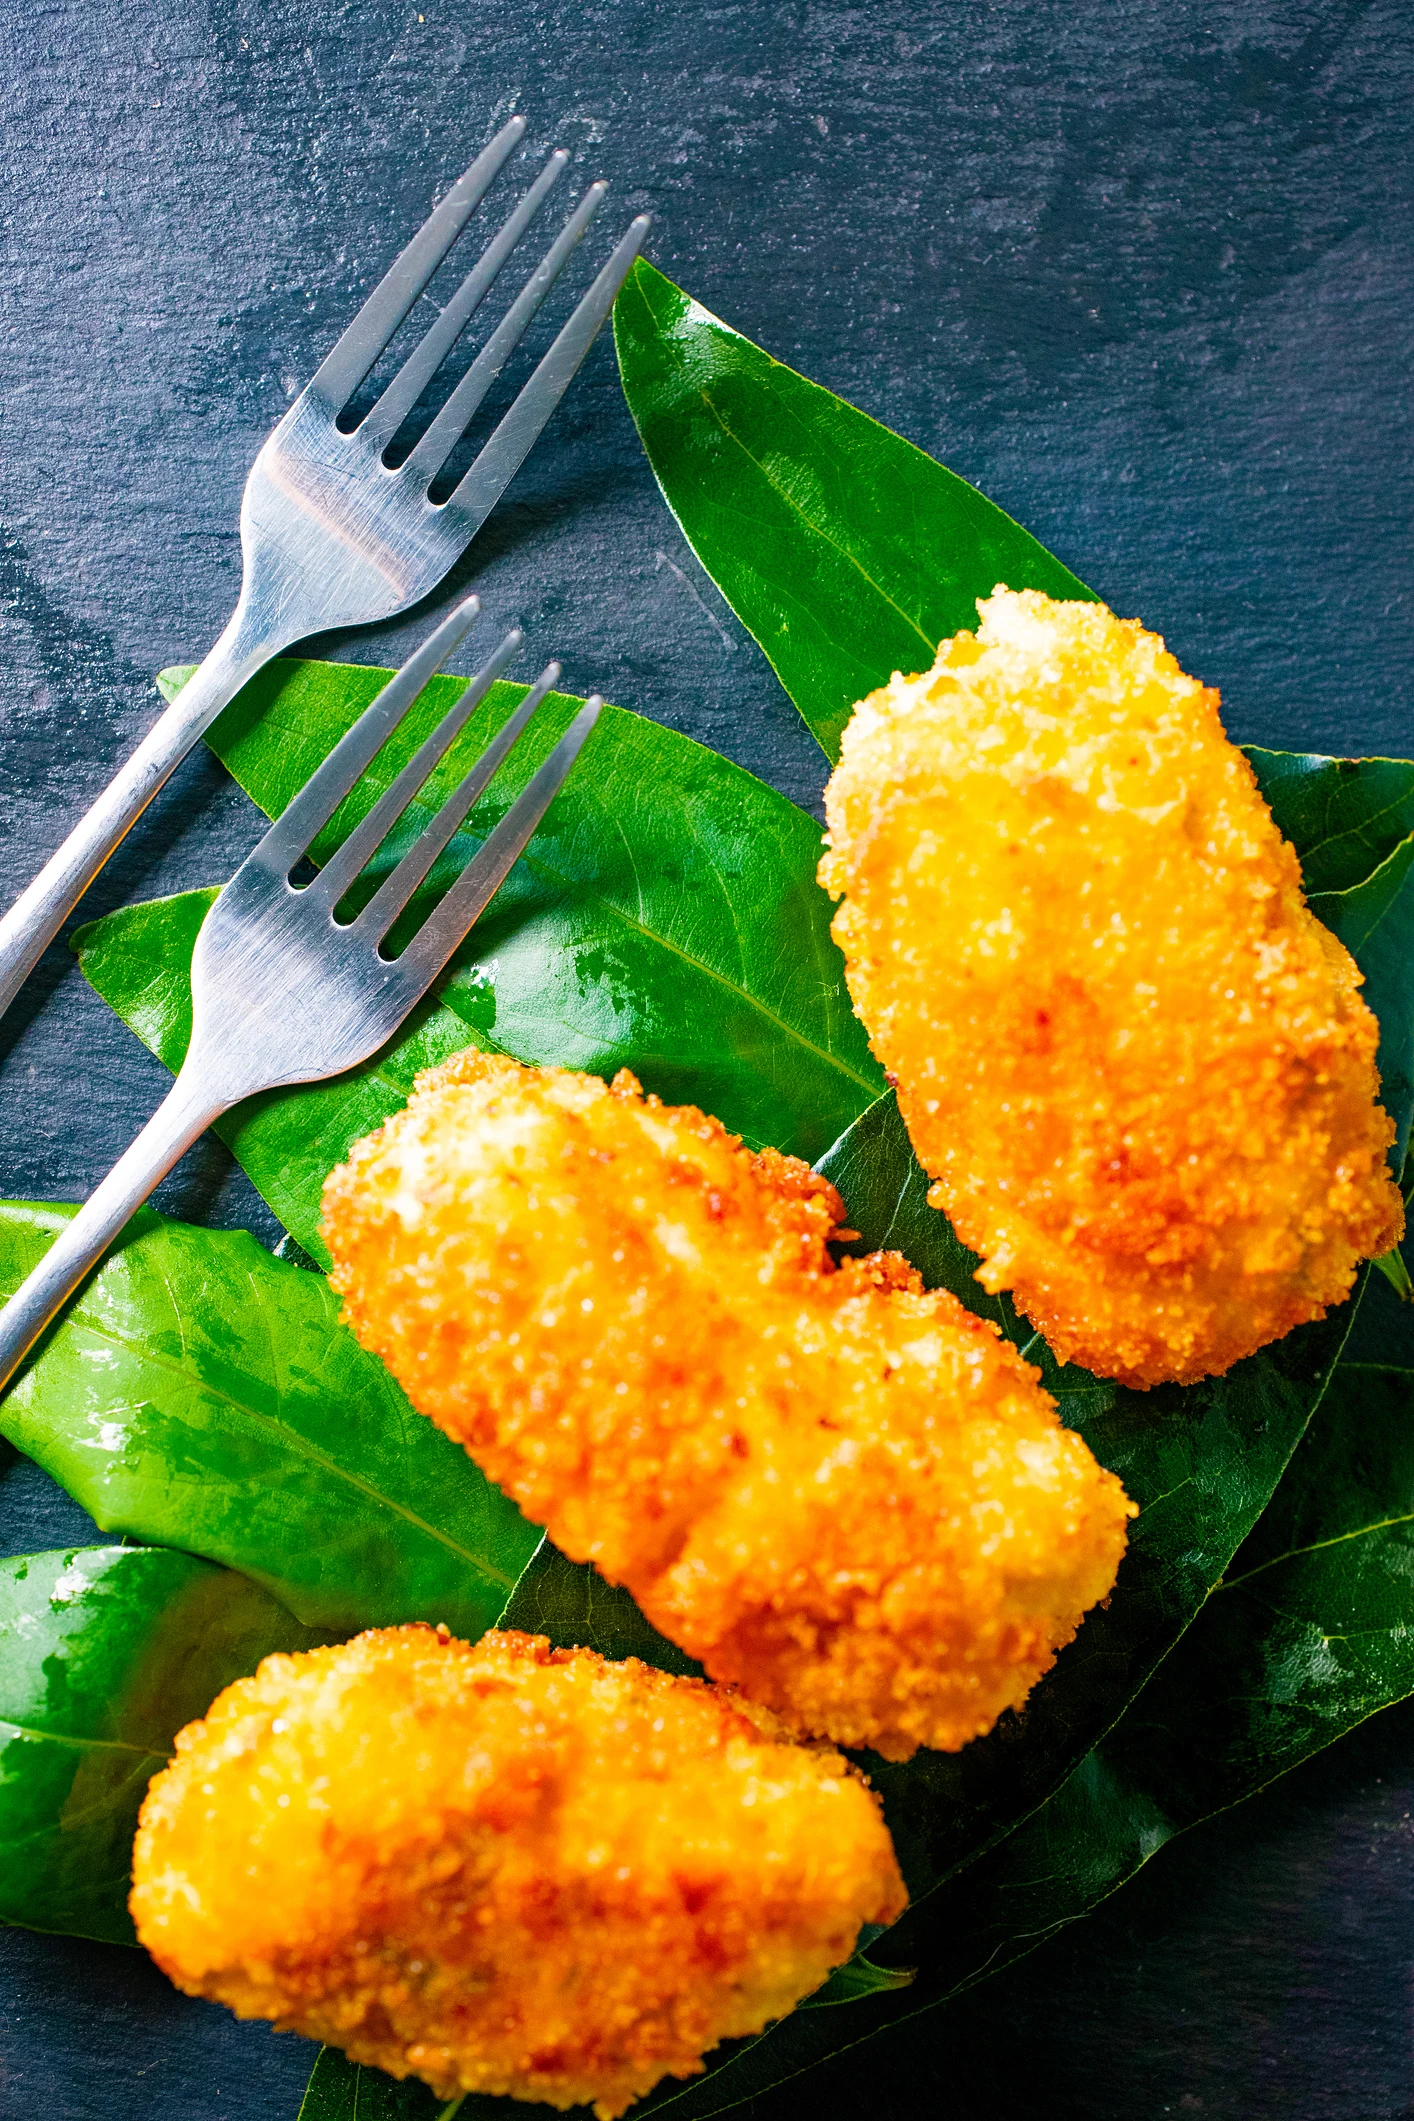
{"type": "Point", "coordinates": [1143, 272]}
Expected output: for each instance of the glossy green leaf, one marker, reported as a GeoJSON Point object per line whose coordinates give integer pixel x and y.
{"type": "Point", "coordinates": [665, 917]}
{"type": "Point", "coordinates": [200, 1394]}
{"type": "Point", "coordinates": [844, 550]}
{"type": "Point", "coordinates": [1201, 1462]}
{"type": "Point", "coordinates": [1346, 816]}
{"type": "Point", "coordinates": [105, 1652]}
{"type": "Point", "coordinates": [1375, 921]}
{"type": "Point", "coordinates": [1351, 822]}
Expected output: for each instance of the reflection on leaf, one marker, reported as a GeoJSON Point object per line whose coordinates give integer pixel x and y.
{"type": "Point", "coordinates": [105, 1652]}
{"type": "Point", "coordinates": [201, 1394]}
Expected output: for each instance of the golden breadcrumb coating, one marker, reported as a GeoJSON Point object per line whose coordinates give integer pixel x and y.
{"type": "Point", "coordinates": [847, 1496]}
{"type": "Point", "coordinates": [504, 1868]}
{"type": "Point", "coordinates": [1135, 1064]}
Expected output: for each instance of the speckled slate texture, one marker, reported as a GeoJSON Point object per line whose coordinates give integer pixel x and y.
{"type": "Point", "coordinates": [1141, 271]}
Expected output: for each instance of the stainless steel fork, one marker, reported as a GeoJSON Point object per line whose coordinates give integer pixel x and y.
{"type": "Point", "coordinates": [331, 535]}
{"type": "Point", "coordinates": [282, 991]}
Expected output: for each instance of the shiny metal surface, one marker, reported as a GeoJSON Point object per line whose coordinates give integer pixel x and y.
{"type": "Point", "coordinates": [284, 992]}
{"type": "Point", "coordinates": [331, 534]}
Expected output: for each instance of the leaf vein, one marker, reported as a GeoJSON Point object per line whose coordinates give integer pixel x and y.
{"type": "Point", "coordinates": [1318, 1546]}
{"type": "Point", "coordinates": [80, 1745]}
{"type": "Point", "coordinates": [824, 536]}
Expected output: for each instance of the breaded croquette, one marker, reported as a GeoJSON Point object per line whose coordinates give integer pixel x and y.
{"type": "Point", "coordinates": [1136, 1065]}
{"type": "Point", "coordinates": [504, 1868]}
{"type": "Point", "coordinates": [851, 1498]}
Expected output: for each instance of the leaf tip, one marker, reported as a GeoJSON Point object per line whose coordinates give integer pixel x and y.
{"type": "Point", "coordinates": [170, 681]}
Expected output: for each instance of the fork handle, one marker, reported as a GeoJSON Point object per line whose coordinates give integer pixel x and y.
{"type": "Point", "coordinates": [185, 1112]}
{"type": "Point", "coordinates": [38, 914]}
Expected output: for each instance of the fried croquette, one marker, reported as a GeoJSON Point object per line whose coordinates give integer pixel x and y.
{"type": "Point", "coordinates": [847, 1496]}
{"type": "Point", "coordinates": [1135, 1064]}
{"type": "Point", "coordinates": [504, 1868]}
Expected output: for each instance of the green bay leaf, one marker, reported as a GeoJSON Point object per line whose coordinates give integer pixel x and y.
{"type": "Point", "coordinates": [1374, 918]}
{"type": "Point", "coordinates": [105, 1652]}
{"type": "Point", "coordinates": [846, 552]}
{"type": "Point", "coordinates": [1344, 816]}
{"type": "Point", "coordinates": [856, 1981]}
{"type": "Point", "coordinates": [1351, 822]}
{"type": "Point", "coordinates": [200, 1394]}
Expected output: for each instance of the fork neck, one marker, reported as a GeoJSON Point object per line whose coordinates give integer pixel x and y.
{"type": "Point", "coordinates": [243, 646]}
{"type": "Point", "coordinates": [186, 1111]}
{"type": "Point", "coordinates": [40, 911]}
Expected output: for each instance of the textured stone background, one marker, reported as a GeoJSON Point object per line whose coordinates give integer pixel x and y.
{"type": "Point", "coordinates": [1140, 270]}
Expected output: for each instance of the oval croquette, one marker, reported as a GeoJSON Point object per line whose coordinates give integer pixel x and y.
{"type": "Point", "coordinates": [849, 1497]}
{"type": "Point", "coordinates": [504, 1868]}
{"type": "Point", "coordinates": [1136, 1065]}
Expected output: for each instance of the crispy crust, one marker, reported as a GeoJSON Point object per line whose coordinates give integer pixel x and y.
{"type": "Point", "coordinates": [504, 1868]}
{"type": "Point", "coordinates": [846, 1495]}
{"type": "Point", "coordinates": [1136, 1065]}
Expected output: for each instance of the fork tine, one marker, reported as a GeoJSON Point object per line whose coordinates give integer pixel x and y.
{"type": "Point", "coordinates": [340, 373]}
{"type": "Point", "coordinates": [507, 448]}
{"type": "Point", "coordinates": [431, 452]}
{"type": "Point", "coordinates": [309, 811]}
{"type": "Point", "coordinates": [398, 887]}
{"type": "Point", "coordinates": [488, 868]}
{"type": "Point", "coordinates": [344, 865]}
{"type": "Point", "coordinates": [422, 364]}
